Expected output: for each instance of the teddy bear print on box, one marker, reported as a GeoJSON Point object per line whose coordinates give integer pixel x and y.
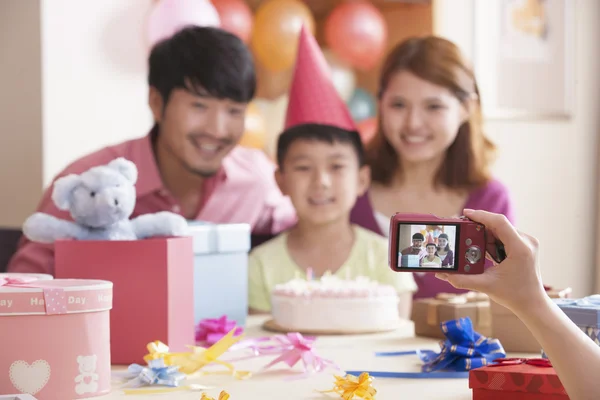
{"type": "Point", "coordinates": [87, 380]}
{"type": "Point", "coordinates": [100, 201]}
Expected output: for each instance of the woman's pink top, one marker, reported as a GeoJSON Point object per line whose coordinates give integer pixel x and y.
{"type": "Point", "coordinates": [493, 197]}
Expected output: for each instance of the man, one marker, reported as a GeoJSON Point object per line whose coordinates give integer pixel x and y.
{"type": "Point", "coordinates": [201, 81]}
{"type": "Point", "coordinates": [417, 246]}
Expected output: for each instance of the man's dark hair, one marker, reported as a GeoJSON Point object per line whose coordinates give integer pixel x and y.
{"type": "Point", "coordinates": [205, 61]}
{"type": "Point", "coordinates": [418, 236]}
{"type": "Point", "coordinates": [318, 132]}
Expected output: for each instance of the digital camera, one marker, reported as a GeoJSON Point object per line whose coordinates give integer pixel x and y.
{"type": "Point", "coordinates": [426, 243]}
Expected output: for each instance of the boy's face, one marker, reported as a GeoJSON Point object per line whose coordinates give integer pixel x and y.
{"type": "Point", "coordinates": [323, 180]}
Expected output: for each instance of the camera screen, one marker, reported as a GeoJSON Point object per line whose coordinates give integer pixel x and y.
{"type": "Point", "coordinates": [427, 246]}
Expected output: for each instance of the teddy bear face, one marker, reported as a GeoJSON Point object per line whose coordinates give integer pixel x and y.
{"type": "Point", "coordinates": [87, 364]}
{"type": "Point", "coordinates": [99, 197]}
{"type": "Point", "coordinates": [102, 198]}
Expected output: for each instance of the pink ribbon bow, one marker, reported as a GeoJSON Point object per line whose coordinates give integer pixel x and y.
{"type": "Point", "coordinates": [16, 280]}
{"type": "Point", "coordinates": [210, 331]}
{"type": "Point", "coordinates": [294, 348]}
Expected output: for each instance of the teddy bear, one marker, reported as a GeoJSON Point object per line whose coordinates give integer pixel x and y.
{"type": "Point", "coordinates": [87, 380]}
{"type": "Point", "coordinates": [100, 201]}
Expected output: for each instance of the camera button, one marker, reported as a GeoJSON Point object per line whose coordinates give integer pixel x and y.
{"type": "Point", "coordinates": [467, 268]}
{"type": "Point", "coordinates": [473, 254]}
{"type": "Point", "coordinates": [468, 242]}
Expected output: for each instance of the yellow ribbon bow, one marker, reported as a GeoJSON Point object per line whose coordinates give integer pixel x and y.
{"type": "Point", "coordinates": [349, 386]}
{"type": "Point", "coordinates": [192, 361]}
{"type": "Point", "coordinates": [222, 396]}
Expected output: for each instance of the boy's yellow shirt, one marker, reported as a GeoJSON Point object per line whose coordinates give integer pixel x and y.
{"type": "Point", "coordinates": [271, 264]}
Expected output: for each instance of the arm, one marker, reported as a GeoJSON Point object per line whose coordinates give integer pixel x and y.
{"type": "Point", "coordinates": [35, 257]}
{"type": "Point", "coordinates": [163, 223]}
{"type": "Point", "coordinates": [516, 284]}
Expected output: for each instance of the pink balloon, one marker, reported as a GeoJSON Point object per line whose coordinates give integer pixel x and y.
{"type": "Point", "coordinates": [169, 16]}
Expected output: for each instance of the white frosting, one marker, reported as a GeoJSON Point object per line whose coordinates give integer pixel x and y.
{"type": "Point", "coordinates": [334, 304]}
{"type": "Point", "coordinates": [332, 286]}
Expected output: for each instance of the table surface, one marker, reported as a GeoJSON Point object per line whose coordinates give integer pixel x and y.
{"type": "Point", "coordinates": [350, 352]}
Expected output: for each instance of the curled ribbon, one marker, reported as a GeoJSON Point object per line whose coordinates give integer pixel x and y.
{"type": "Point", "coordinates": [350, 386]}
{"type": "Point", "coordinates": [222, 396]}
{"type": "Point", "coordinates": [156, 373]}
{"type": "Point", "coordinates": [294, 348]}
{"type": "Point", "coordinates": [536, 362]}
{"type": "Point", "coordinates": [192, 361]}
{"type": "Point", "coordinates": [210, 331]}
{"type": "Point", "coordinates": [463, 350]}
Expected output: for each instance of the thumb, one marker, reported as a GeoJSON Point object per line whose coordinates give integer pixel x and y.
{"type": "Point", "coordinates": [459, 281]}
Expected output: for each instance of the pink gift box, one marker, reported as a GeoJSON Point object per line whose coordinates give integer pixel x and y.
{"type": "Point", "coordinates": [153, 289]}
{"type": "Point", "coordinates": [55, 338]}
{"type": "Point", "coordinates": [39, 277]}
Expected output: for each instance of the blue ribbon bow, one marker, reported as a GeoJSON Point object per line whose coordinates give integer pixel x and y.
{"type": "Point", "coordinates": [463, 350]}
{"type": "Point", "coordinates": [156, 373]}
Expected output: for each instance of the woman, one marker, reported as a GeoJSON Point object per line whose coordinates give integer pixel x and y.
{"type": "Point", "coordinates": [430, 154]}
{"type": "Point", "coordinates": [444, 252]}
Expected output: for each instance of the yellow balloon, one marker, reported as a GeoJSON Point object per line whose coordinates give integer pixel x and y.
{"type": "Point", "coordinates": [255, 130]}
{"type": "Point", "coordinates": [277, 25]}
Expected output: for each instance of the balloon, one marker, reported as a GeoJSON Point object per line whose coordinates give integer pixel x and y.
{"type": "Point", "coordinates": [255, 131]}
{"type": "Point", "coordinates": [367, 129]}
{"type": "Point", "coordinates": [236, 17]}
{"type": "Point", "coordinates": [169, 16]}
{"type": "Point", "coordinates": [270, 85]}
{"type": "Point", "coordinates": [277, 26]}
{"type": "Point", "coordinates": [362, 105]}
{"type": "Point", "coordinates": [341, 74]}
{"type": "Point", "coordinates": [357, 33]}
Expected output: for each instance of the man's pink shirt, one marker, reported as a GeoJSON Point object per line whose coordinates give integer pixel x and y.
{"type": "Point", "coordinates": [244, 191]}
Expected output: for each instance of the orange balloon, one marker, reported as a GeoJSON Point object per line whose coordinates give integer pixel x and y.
{"type": "Point", "coordinates": [270, 85]}
{"type": "Point", "coordinates": [277, 26]}
{"type": "Point", "coordinates": [236, 17]}
{"type": "Point", "coordinates": [255, 131]}
{"type": "Point", "coordinates": [357, 33]}
{"type": "Point", "coordinates": [367, 129]}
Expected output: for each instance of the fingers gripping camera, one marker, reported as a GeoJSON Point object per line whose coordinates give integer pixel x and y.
{"type": "Point", "coordinates": [426, 243]}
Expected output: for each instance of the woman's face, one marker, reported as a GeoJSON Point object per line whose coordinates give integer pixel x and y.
{"type": "Point", "coordinates": [443, 242]}
{"type": "Point", "coordinates": [419, 119]}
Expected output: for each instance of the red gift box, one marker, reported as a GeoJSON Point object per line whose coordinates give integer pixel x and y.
{"type": "Point", "coordinates": [517, 379]}
{"type": "Point", "coordinates": [153, 290]}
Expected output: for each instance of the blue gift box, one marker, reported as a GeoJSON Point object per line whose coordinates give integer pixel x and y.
{"type": "Point", "coordinates": [410, 260]}
{"type": "Point", "coordinates": [221, 271]}
{"type": "Point", "coordinates": [585, 313]}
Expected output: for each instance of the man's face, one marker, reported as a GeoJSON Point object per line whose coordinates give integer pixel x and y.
{"type": "Point", "coordinates": [417, 243]}
{"type": "Point", "coordinates": [199, 131]}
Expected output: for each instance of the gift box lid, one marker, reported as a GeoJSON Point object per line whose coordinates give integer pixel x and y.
{"type": "Point", "coordinates": [517, 376]}
{"type": "Point", "coordinates": [54, 297]}
{"type": "Point", "coordinates": [212, 238]}
{"type": "Point", "coordinates": [583, 312]}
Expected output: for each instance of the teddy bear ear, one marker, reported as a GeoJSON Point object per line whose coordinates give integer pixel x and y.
{"type": "Point", "coordinates": [125, 168]}
{"type": "Point", "coordinates": [63, 191]}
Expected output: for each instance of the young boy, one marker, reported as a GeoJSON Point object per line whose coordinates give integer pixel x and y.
{"type": "Point", "coordinates": [321, 168]}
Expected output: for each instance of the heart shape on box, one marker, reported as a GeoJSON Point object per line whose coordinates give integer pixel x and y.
{"type": "Point", "coordinates": [29, 378]}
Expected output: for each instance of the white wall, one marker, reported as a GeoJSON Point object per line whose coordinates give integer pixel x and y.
{"type": "Point", "coordinates": [534, 154]}
{"type": "Point", "coordinates": [94, 77]}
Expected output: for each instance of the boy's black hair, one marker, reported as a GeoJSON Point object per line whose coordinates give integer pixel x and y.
{"type": "Point", "coordinates": [204, 60]}
{"type": "Point", "coordinates": [319, 132]}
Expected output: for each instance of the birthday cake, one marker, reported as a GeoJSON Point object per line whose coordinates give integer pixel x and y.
{"type": "Point", "coordinates": [334, 305]}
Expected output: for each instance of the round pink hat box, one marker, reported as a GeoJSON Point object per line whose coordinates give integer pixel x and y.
{"type": "Point", "coordinates": [55, 337]}
{"type": "Point", "coordinates": [11, 275]}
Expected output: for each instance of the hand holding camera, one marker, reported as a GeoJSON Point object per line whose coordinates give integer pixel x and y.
{"type": "Point", "coordinates": [513, 282]}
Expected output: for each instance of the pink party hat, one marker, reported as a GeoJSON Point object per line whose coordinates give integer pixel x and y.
{"type": "Point", "coordinates": [313, 98]}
